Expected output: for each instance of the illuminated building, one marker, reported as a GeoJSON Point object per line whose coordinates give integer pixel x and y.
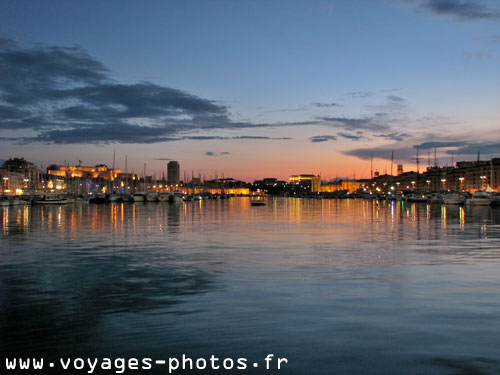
{"type": "Point", "coordinates": [351, 186]}
{"type": "Point", "coordinates": [314, 182]}
{"type": "Point", "coordinates": [99, 171]}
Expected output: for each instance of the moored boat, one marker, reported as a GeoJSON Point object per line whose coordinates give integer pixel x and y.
{"type": "Point", "coordinates": [453, 198]}
{"type": "Point", "coordinates": [4, 201]}
{"type": "Point", "coordinates": [436, 198]}
{"type": "Point", "coordinates": [152, 196]}
{"type": "Point", "coordinates": [417, 197]}
{"type": "Point", "coordinates": [52, 199]}
{"type": "Point", "coordinates": [164, 196]}
{"type": "Point", "coordinates": [98, 199]}
{"type": "Point", "coordinates": [257, 202]}
{"type": "Point", "coordinates": [139, 196]}
{"type": "Point", "coordinates": [481, 198]}
{"type": "Point", "coordinates": [115, 198]}
{"type": "Point", "coordinates": [127, 198]}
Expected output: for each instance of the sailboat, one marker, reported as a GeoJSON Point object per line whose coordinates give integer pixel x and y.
{"type": "Point", "coordinates": [480, 198]}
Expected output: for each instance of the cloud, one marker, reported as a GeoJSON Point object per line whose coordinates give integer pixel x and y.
{"type": "Point", "coordinates": [203, 137]}
{"type": "Point", "coordinates": [393, 103]}
{"type": "Point", "coordinates": [382, 153]}
{"type": "Point", "coordinates": [408, 152]}
{"type": "Point", "coordinates": [375, 122]}
{"type": "Point", "coordinates": [462, 147]}
{"type": "Point", "coordinates": [325, 105]}
{"type": "Point", "coordinates": [322, 138]}
{"type": "Point", "coordinates": [259, 137]}
{"type": "Point", "coordinates": [112, 132]}
{"type": "Point", "coordinates": [349, 136]}
{"type": "Point", "coordinates": [395, 98]}
{"type": "Point", "coordinates": [440, 144]}
{"type": "Point", "coordinates": [296, 109]}
{"type": "Point", "coordinates": [66, 96]}
{"type": "Point", "coordinates": [463, 10]}
{"type": "Point", "coordinates": [210, 153]}
{"type": "Point", "coordinates": [360, 94]}
{"type": "Point", "coordinates": [480, 55]}
{"type": "Point", "coordinates": [393, 136]}
{"type": "Point", "coordinates": [165, 159]}
{"type": "Point", "coordinates": [62, 95]}
{"type": "Point", "coordinates": [484, 148]}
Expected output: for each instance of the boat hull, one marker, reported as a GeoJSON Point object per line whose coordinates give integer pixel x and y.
{"type": "Point", "coordinates": [45, 202]}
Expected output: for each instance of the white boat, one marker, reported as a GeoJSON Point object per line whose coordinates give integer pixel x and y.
{"type": "Point", "coordinates": [453, 198]}
{"type": "Point", "coordinates": [52, 199]}
{"type": "Point", "coordinates": [164, 196]}
{"type": "Point", "coordinates": [139, 196]}
{"type": "Point", "coordinates": [481, 198]}
{"type": "Point", "coordinates": [82, 199]}
{"type": "Point", "coordinates": [197, 197]}
{"type": "Point", "coordinates": [436, 198]}
{"type": "Point", "coordinates": [152, 196]}
{"type": "Point", "coordinates": [4, 201]}
{"type": "Point", "coordinates": [187, 198]}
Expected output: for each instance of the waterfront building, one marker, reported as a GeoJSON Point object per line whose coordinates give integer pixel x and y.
{"type": "Point", "coordinates": [350, 186]}
{"type": "Point", "coordinates": [173, 172]}
{"type": "Point", "coordinates": [307, 180]}
{"type": "Point", "coordinates": [20, 180]}
{"type": "Point", "coordinates": [98, 171]}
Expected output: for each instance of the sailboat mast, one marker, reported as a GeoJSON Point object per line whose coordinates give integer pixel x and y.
{"type": "Point", "coordinates": [113, 175]}
{"type": "Point", "coordinates": [491, 171]}
{"type": "Point", "coordinates": [477, 169]}
{"type": "Point", "coordinates": [126, 175]}
{"type": "Point", "coordinates": [371, 167]}
{"type": "Point", "coordinates": [392, 160]}
{"type": "Point", "coordinates": [418, 159]}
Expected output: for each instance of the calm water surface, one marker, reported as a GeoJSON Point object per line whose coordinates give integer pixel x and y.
{"type": "Point", "coordinates": [335, 286]}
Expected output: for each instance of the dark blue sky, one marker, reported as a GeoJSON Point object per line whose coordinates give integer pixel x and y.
{"type": "Point", "coordinates": [253, 88]}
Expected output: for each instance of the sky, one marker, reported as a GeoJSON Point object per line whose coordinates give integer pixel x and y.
{"type": "Point", "coordinates": [250, 89]}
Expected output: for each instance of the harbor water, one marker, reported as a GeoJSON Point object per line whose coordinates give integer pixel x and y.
{"type": "Point", "coordinates": [334, 286]}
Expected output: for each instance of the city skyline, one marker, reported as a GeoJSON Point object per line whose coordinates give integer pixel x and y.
{"type": "Point", "coordinates": [253, 89]}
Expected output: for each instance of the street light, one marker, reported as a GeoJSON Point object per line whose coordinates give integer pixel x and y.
{"type": "Point", "coordinates": [461, 183]}
{"type": "Point", "coordinates": [443, 180]}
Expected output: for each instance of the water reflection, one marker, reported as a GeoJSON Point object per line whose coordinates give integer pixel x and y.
{"type": "Point", "coordinates": [82, 263]}
{"type": "Point", "coordinates": [399, 287]}
{"type": "Point", "coordinates": [410, 218]}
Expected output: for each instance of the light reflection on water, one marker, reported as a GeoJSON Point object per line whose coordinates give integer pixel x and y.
{"type": "Point", "coordinates": [336, 286]}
